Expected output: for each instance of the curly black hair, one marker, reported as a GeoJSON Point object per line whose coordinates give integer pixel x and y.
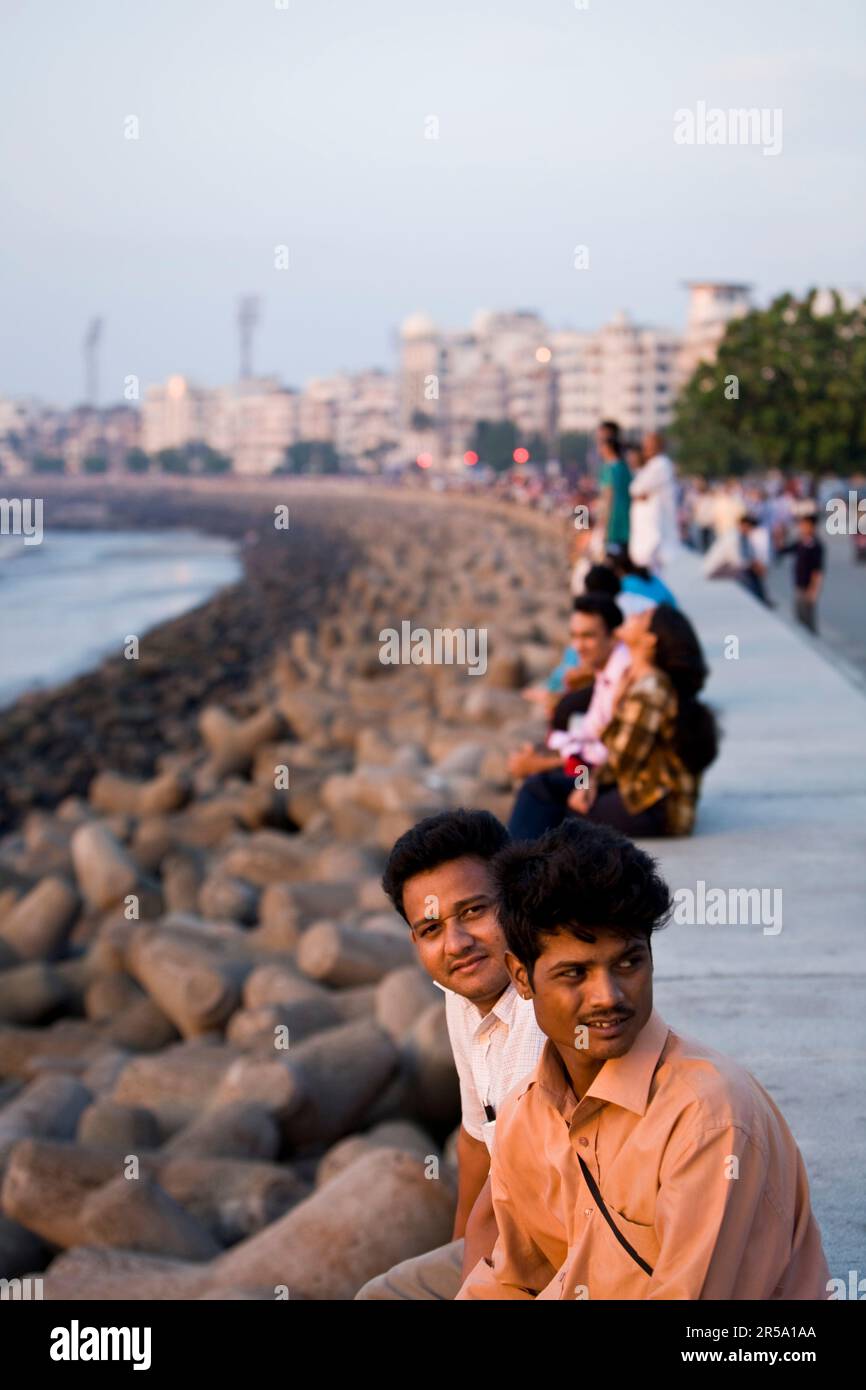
{"type": "Point", "coordinates": [437, 840]}
{"type": "Point", "coordinates": [576, 878]}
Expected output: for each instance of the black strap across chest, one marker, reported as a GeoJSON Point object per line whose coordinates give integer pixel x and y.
{"type": "Point", "coordinates": [626, 1245]}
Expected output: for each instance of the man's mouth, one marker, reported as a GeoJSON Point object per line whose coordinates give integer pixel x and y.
{"type": "Point", "coordinates": [467, 963]}
{"type": "Point", "coordinates": [609, 1027]}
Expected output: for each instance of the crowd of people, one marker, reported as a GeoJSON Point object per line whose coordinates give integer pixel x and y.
{"type": "Point", "coordinates": [635, 505]}
{"type": "Point", "coordinates": [742, 528]}
{"type": "Point", "coordinates": [597, 1144]}
{"type": "Point", "coordinates": [627, 740]}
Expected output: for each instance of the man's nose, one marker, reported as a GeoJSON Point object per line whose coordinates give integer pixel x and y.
{"type": "Point", "coordinates": [605, 993]}
{"type": "Point", "coordinates": [458, 938]}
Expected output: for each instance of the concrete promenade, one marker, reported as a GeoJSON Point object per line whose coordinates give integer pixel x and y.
{"type": "Point", "coordinates": [784, 808]}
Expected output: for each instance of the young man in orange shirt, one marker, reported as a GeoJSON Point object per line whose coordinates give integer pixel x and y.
{"type": "Point", "coordinates": [634, 1163]}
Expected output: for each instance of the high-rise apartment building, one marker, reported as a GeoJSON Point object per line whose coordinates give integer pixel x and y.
{"type": "Point", "coordinates": [712, 305]}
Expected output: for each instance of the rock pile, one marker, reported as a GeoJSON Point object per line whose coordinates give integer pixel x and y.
{"type": "Point", "coordinates": [222, 1073]}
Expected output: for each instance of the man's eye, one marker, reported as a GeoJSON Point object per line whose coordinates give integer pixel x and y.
{"type": "Point", "coordinates": [475, 908]}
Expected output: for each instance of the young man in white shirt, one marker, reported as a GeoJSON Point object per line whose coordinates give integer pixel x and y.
{"type": "Point", "coordinates": [438, 877]}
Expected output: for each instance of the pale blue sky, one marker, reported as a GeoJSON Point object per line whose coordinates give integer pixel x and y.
{"type": "Point", "coordinates": [304, 126]}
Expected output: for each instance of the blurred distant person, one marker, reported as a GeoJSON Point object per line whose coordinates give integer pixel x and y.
{"type": "Point", "coordinates": [653, 514]}
{"type": "Point", "coordinates": [633, 457]}
{"type": "Point", "coordinates": [754, 547]}
{"type": "Point", "coordinates": [602, 662]}
{"type": "Point", "coordinates": [808, 554]}
{"type": "Point", "coordinates": [729, 507]}
{"type": "Point", "coordinates": [614, 482]}
{"type": "Point", "coordinates": [568, 675]}
{"type": "Point", "coordinates": [704, 516]}
{"type": "Point", "coordinates": [657, 744]}
{"type": "Point", "coordinates": [638, 589]}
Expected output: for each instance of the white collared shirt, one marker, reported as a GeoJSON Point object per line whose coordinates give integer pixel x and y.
{"type": "Point", "coordinates": [492, 1053]}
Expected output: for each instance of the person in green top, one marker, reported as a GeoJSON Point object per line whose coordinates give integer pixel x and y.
{"type": "Point", "coordinates": [614, 481]}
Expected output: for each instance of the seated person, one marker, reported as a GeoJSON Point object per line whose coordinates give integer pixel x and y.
{"type": "Point", "coordinates": [438, 878]}
{"type": "Point", "coordinates": [638, 587]}
{"type": "Point", "coordinates": [659, 742]}
{"type": "Point", "coordinates": [568, 675]}
{"type": "Point", "coordinates": [635, 1163]}
{"type": "Point", "coordinates": [593, 622]}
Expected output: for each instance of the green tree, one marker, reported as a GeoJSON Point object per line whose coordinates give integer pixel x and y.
{"type": "Point", "coordinates": [203, 459]}
{"type": "Point", "coordinates": [573, 450]}
{"type": "Point", "coordinates": [494, 441]}
{"type": "Point", "coordinates": [311, 456]}
{"type": "Point", "coordinates": [95, 463]}
{"type": "Point", "coordinates": [537, 446]}
{"type": "Point", "coordinates": [785, 391]}
{"type": "Point", "coordinates": [137, 461]}
{"type": "Point", "coordinates": [215, 462]}
{"type": "Point", "coordinates": [173, 461]}
{"type": "Point", "coordinates": [49, 463]}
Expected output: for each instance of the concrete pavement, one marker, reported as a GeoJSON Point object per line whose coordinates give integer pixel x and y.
{"type": "Point", "coordinates": [783, 808]}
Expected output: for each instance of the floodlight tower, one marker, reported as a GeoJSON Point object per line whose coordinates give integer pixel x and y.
{"type": "Point", "coordinates": [91, 377]}
{"type": "Point", "coordinates": [248, 317]}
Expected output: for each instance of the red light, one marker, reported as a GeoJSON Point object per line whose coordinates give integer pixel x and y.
{"type": "Point", "coordinates": [424, 460]}
{"type": "Point", "coordinates": [521, 455]}
{"type": "Point", "coordinates": [470, 458]}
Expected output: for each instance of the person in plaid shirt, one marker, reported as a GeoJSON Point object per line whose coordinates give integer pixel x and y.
{"type": "Point", "coordinates": [661, 738]}
{"type": "Point", "coordinates": [658, 742]}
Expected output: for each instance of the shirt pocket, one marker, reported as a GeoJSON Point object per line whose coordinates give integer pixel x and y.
{"type": "Point", "coordinates": [618, 1273]}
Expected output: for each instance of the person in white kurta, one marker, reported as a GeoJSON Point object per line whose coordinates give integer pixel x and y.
{"type": "Point", "coordinates": [653, 516]}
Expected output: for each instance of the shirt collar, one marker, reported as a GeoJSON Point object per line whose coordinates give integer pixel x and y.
{"type": "Point", "coordinates": [616, 663]}
{"type": "Point", "coordinates": [504, 1007]}
{"type": "Point", "coordinates": [623, 1081]}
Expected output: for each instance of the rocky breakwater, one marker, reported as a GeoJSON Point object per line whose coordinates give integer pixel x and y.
{"type": "Point", "coordinates": [222, 1074]}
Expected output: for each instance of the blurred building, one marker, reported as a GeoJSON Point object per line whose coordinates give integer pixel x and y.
{"type": "Point", "coordinates": [366, 430]}
{"type": "Point", "coordinates": [253, 423]}
{"type": "Point", "coordinates": [175, 414]}
{"type": "Point", "coordinates": [712, 305]}
{"type": "Point", "coordinates": [511, 366]}
{"type": "Point", "coordinates": [83, 437]}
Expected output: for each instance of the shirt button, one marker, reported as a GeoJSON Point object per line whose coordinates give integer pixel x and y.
{"type": "Point", "coordinates": [583, 1141]}
{"type": "Point", "coordinates": [587, 1211]}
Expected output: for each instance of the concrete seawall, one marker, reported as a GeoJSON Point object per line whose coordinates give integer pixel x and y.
{"type": "Point", "coordinates": [783, 808]}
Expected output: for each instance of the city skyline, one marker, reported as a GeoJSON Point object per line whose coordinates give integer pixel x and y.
{"type": "Point", "coordinates": [162, 159]}
{"type": "Point", "coordinates": [391, 366]}
{"type": "Point", "coordinates": [545, 383]}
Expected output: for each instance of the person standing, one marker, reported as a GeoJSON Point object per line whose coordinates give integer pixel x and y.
{"type": "Point", "coordinates": [653, 515]}
{"type": "Point", "coordinates": [705, 515]}
{"type": "Point", "coordinates": [808, 570]}
{"type": "Point", "coordinates": [614, 481]}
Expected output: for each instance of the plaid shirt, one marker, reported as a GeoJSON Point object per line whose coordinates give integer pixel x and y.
{"type": "Point", "coordinates": [642, 760]}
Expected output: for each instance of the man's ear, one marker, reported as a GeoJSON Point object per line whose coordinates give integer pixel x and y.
{"type": "Point", "coordinates": [519, 975]}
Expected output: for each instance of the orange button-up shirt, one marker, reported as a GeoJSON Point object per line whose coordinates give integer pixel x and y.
{"type": "Point", "coordinates": [695, 1164]}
